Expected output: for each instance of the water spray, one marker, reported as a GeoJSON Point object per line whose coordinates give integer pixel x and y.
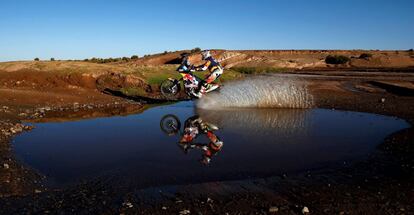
{"type": "Point", "coordinates": [260, 92]}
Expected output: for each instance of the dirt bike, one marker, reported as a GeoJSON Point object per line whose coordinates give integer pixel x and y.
{"type": "Point", "coordinates": [192, 85]}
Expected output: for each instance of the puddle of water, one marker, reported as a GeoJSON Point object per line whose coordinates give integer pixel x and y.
{"type": "Point", "coordinates": [135, 152]}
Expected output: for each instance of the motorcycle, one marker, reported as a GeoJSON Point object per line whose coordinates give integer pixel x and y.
{"type": "Point", "coordinates": [171, 87]}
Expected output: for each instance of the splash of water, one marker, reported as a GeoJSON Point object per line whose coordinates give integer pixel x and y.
{"type": "Point", "coordinates": [260, 92]}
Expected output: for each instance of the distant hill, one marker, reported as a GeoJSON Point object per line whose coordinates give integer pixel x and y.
{"type": "Point", "coordinates": [297, 59]}
{"type": "Point", "coordinates": [291, 59]}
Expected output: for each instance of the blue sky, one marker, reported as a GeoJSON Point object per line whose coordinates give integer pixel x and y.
{"type": "Point", "coordinates": [78, 29]}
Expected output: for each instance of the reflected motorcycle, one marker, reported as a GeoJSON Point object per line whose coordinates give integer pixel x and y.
{"type": "Point", "coordinates": [193, 127]}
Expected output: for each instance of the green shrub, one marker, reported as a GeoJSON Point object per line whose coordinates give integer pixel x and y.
{"type": "Point", "coordinates": [365, 56]}
{"type": "Point", "coordinates": [195, 50]}
{"type": "Point", "coordinates": [133, 57]}
{"type": "Point", "coordinates": [133, 91]}
{"type": "Point", "coordinates": [411, 53]}
{"type": "Point", "coordinates": [336, 59]}
{"type": "Point", "coordinates": [36, 59]}
{"type": "Point", "coordinates": [108, 60]}
{"type": "Point", "coordinates": [52, 59]}
{"type": "Point", "coordinates": [245, 70]}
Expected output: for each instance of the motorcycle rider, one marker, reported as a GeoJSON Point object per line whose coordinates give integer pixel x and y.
{"type": "Point", "coordinates": [215, 68]}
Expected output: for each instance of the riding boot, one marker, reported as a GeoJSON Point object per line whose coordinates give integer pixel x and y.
{"type": "Point", "coordinates": [197, 94]}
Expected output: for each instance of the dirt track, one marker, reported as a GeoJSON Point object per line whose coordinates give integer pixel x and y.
{"type": "Point", "coordinates": [380, 185]}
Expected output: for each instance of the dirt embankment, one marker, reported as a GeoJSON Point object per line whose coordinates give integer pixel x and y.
{"type": "Point", "coordinates": [47, 83]}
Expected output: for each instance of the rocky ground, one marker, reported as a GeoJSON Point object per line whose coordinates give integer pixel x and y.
{"type": "Point", "coordinates": [380, 185]}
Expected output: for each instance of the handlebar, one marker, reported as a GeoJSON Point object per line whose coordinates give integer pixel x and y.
{"type": "Point", "coordinates": [191, 69]}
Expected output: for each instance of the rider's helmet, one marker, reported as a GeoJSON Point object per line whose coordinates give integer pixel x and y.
{"type": "Point", "coordinates": [205, 54]}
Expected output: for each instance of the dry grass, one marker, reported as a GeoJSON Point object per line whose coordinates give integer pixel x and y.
{"type": "Point", "coordinates": [154, 75]}
{"type": "Point", "coordinates": [58, 66]}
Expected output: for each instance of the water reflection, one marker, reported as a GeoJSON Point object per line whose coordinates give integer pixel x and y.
{"type": "Point", "coordinates": [193, 128]}
{"type": "Point", "coordinates": [261, 122]}
{"type": "Point", "coordinates": [133, 151]}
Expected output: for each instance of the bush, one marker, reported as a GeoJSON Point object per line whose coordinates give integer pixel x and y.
{"type": "Point", "coordinates": [133, 57]}
{"type": "Point", "coordinates": [336, 59]}
{"type": "Point", "coordinates": [365, 56]}
{"type": "Point", "coordinates": [108, 60]}
{"type": "Point", "coordinates": [52, 59]}
{"type": "Point", "coordinates": [36, 59]}
{"type": "Point", "coordinates": [195, 50]}
{"type": "Point", "coordinates": [410, 50]}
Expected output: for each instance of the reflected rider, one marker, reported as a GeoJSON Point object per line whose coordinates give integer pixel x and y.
{"type": "Point", "coordinates": [195, 126]}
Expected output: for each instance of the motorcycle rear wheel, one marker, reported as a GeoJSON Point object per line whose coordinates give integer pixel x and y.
{"type": "Point", "coordinates": [170, 88]}
{"type": "Point", "coordinates": [170, 124]}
